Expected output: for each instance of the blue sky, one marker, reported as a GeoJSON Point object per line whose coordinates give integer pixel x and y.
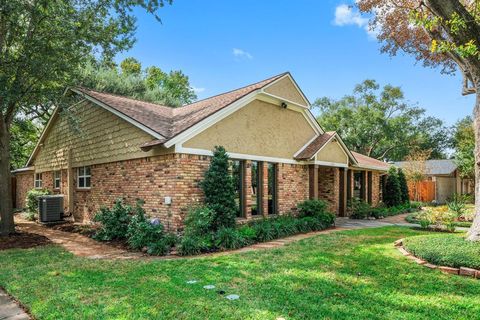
{"type": "Point", "coordinates": [222, 45]}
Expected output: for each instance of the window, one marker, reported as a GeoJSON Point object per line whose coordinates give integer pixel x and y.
{"type": "Point", "coordinates": [272, 188]}
{"type": "Point", "coordinates": [83, 178]}
{"type": "Point", "coordinates": [57, 178]}
{"type": "Point", "coordinates": [38, 180]}
{"type": "Point", "coordinates": [256, 188]}
{"type": "Point", "coordinates": [237, 169]}
{"type": "Point", "coordinates": [358, 185]}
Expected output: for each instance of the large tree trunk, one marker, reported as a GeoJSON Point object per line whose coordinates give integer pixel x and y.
{"type": "Point", "coordinates": [474, 231]}
{"type": "Point", "coordinates": [7, 225]}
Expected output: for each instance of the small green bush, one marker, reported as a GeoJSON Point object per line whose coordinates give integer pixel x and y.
{"type": "Point", "coordinates": [199, 221]}
{"type": "Point", "coordinates": [113, 222]}
{"type": "Point", "coordinates": [457, 204]}
{"type": "Point", "coordinates": [445, 249]}
{"type": "Point", "coordinates": [248, 233]}
{"type": "Point", "coordinates": [229, 238]}
{"type": "Point", "coordinates": [142, 233]}
{"type": "Point", "coordinates": [31, 200]}
{"type": "Point", "coordinates": [359, 209]}
{"type": "Point", "coordinates": [264, 230]}
{"type": "Point", "coordinates": [310, 208]}
{"type": "Point", "coordinates": [192, 245]}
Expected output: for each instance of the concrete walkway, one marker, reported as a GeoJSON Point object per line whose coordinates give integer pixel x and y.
{"type": "Point", "coordinates": [9, 309]}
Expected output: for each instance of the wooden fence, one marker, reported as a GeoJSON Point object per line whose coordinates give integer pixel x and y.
{"type": "Point", "coordinates": [422, 191]}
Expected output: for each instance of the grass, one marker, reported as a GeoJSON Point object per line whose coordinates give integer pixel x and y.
{"type": "Point", "coordinates": [446, 250]}
{"type": "Point", "coordinates": [355, 274]}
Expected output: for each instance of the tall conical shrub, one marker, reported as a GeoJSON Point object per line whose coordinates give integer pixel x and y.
{"type": "Point", "coordinates": [392, 195]}
{"type": "Point", "coordinates": [219, 190]}
{"type": "Point", "coordinates": [402, 180]}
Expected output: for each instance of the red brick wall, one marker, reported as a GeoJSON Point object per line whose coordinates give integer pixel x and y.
{"type": "Point", "coordinates": [293, 186]}
{"type": "Point", "coordinates": [24, 184]}
{"type": "Point", "coordinates": [375, 188]}
{"type": "Point", "coordinates": [329, 187]}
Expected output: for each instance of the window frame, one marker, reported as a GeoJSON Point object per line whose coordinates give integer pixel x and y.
{"type": "Point", "coordinates": [84, 176]}
{"type": "Point", "coordinates": [241, 191]}
{"type": "Point", "coordinates": [259, 180]}
{"type": "Point", "coordinates": [274, 191]}
{"type": "Point", "coordinates": [38, 177]}
{"type": "Point", "coordinates": [55, 179]}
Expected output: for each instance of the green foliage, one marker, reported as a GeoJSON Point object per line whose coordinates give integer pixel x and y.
{"type": "Point", "coordinates": [171, 89]}
{"type": "Point", "coordinates": [445, 249]}
{"type": "Point", "coordinates": [192, 245]}
{"type": "Point", "coordinates": [23, 136]}
{"type": "Point", "coordinates": [392, 193]}
{"type": "Point", "coordinates": [464, 145]}
{"type": "Point", "coordinates": [31, 200]}
{"type": "Point", "coordinates": [199, 221]}
{"type": "Point", "coordinates": [248, 234]}
{"type": "Point", "coordinates": [402, 180]}
{"type": "Point", "coordinates": [457, 204]}
{"type": "Point", "coordinates": [219, 190]}
{"type": "Point", "coordinates": [382, 124]}
{"type": "Point", "coordinates": [142, 233]}
{"type": "Point", "coordinates": [229, 238]}
{"type": "Point", "coordinates": [113, 222]}
{"type": "Point", "coordinates": [359, 209]}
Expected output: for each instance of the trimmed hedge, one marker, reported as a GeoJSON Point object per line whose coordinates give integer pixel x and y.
{"type": "Point", "coordinates": [361, 210]}
{"type": "Point", "coordinates": [445, 249]}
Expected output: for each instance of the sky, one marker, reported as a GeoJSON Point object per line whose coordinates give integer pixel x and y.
{"type": "Point", "coordinates": [325, 44]}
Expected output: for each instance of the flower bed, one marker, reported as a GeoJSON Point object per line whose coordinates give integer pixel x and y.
{"type": "Point", "coordinates": [362, 210]}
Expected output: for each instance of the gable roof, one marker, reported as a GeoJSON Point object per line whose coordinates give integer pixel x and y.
{"type": "Point", "coordinates": [434, 167]}
{"type": "Point", "coordinates": [370, 163]}
{"type": "Point", "coordinates": [166, 121]}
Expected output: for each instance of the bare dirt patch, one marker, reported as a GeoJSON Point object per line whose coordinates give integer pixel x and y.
{"type": "Point", "coordinates": [23, 240]}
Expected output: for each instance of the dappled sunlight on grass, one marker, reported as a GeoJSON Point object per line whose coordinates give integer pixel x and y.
{"type": "Point", "coordinates": [343, 275]}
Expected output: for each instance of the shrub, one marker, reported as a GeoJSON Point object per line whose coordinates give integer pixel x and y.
{"type": "Point", "coordinates": [248, 233]}
{"type": "Point", "coordinates": [142, 232]}
{"type": "Point", "coordinates": [229, 238]}
{"type": "Point", "coordinates": [359, 208]}
{"type": "Point", "coordinates": [457, 204]}
{"type": "Point", "coordinates": [192, 245]}
{"type": "Point", "coordinates": [113, 222]}
{"type": "Point", "coordinates": [402, 181]}
{"type": "Point", "coordinates": [264, 230]}
{"type": "Point", "coordinates": [392, 192]}
{"type": "Point", "coordinates": [445, 249]}
{"type": "Point", "coordinates": [219, 190]}
{"type": "Point", "coordinates": [317, 209]}
{"type": "Point", "coordinates": [199, 221]}
{"type": "Point", "coordinates": [31, 200]}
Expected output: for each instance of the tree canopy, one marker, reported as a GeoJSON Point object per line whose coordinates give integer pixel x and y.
{"type": "Point", "coordinates": [150, 84]}
{"type": "Point", "coordinates": [381, 123]}
{"type": "Point", "coordinates": [464, 146]}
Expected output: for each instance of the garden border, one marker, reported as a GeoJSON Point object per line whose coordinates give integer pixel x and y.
{"type": "Point", "coordinates": [463, 271]}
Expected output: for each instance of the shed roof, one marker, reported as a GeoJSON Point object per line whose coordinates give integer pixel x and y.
{"type": "Point", "coordinates": [434, 167]}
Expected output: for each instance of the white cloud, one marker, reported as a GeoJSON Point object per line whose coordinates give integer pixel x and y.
{"type": "Point", "coordinates": [197, 90]}
{"type": "Point", "coordinates": [347, 15]}
{"type": "Point", "coordinates": [242, 54]}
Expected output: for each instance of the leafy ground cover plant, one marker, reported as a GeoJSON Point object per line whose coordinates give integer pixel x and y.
{"type": "Point", "coordinates": [445, 249]}
{"type": "Point", "coordinates": [31, 202]}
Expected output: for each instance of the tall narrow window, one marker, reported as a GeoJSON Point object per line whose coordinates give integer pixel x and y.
{"type": "Point", "coordinates": [272, 188]}
{"type": "Point", "coordinates": [38, 181]}
{"type": "Point", "coordinates": [57, 179]}
{"type": "Point", "coordinates": [256, 188]}
{"type": "Point", "coordinates": [358, 185]}
{"type": "Point", "coordinates": [237, 168]}
{"type": "Point", "coordinates": [84, 178]}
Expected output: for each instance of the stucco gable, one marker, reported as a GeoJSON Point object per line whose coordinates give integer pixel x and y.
{"type": "Point", "coordinates": [286, 88]}
{"type": "Point", "coordinates": [332, 152]}
{"type": "Point", "coordinates": [259, 128]}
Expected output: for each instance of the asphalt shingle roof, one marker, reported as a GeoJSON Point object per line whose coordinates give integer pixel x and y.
{"type": "Point", "coordinates": [434, 167]}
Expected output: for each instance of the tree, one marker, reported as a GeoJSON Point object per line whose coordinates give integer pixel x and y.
{"type": "Point", "coordinates": [392, 195]}
{"type": "Point", "coordinates": [43, 45]}
{"type": "Point", "coordinates": [381, 124]}
{"type": "Point", "coordinates": [402, 180]}
{"type": "Point", "coordinates": [464, 145]}
{"type": "Point", "coordinates": [416, 168]}
{"type": "Point", "coordinates": [219, 190]}
{"type": "Point", "coordinates": [152, 84]}
{"type": "Point", "coordinates": [23, 135]}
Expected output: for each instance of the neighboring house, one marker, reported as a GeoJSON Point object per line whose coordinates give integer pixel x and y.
{"type": "Point", "coordinates": [119, 147]}
{"type": "Point", "coordinates": [442, 181]}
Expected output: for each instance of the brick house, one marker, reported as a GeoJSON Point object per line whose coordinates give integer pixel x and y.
{"type": "Point", "coordinates": [119, 147]}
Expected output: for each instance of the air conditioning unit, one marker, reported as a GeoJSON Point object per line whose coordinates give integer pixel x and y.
{"type": "Point", "coordinates": [50, 209]}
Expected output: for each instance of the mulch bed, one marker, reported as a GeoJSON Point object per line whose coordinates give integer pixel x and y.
{"type": "Point", "coordinates": [71, 227]}
{"type": "Point", "coordinates": [23, 240]}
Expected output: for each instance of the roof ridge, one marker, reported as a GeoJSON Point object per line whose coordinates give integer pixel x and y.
{"type": "Point", "coordinates": [240, 88]}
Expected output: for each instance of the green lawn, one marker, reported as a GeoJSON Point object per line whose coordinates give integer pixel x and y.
{"type": "Point", "coordinates": [342, 275]}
